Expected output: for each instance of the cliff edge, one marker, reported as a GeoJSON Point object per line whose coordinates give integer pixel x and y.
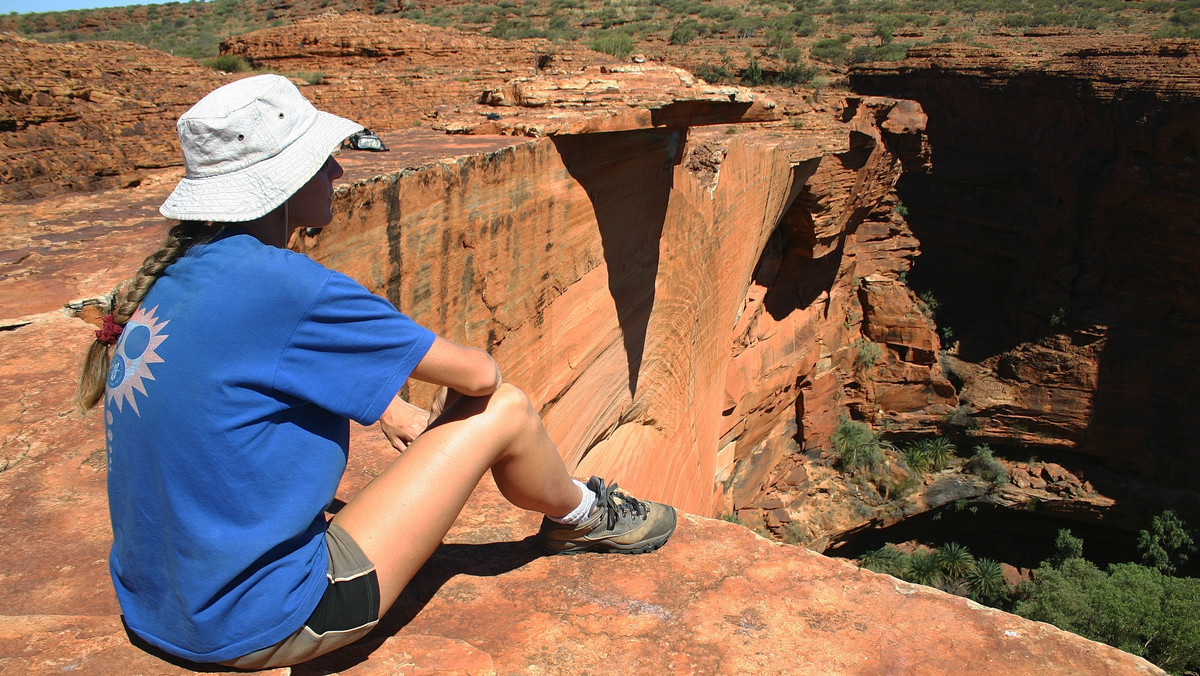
{"type": "Point", "coordinates": [716, 600]}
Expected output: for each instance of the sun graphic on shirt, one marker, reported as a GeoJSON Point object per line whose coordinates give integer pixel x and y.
{"type": "Point", "coordinates": [130, 366]}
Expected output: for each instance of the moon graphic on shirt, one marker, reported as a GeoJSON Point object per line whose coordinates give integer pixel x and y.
{"type": "Point", "coordinates": [130, 366]}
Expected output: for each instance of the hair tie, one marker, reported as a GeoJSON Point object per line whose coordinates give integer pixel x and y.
{"type": "Point", "coordinates": [109, 333]}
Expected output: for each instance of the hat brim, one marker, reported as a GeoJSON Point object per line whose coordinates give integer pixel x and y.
{"type": "Point", "coordinates": [258, 189]}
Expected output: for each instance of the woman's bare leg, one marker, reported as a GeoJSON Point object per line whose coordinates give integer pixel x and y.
{"type": "Point", "coordinates": [400, 518]}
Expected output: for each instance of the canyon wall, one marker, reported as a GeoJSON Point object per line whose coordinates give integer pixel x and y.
{"type": "Point", "coordinates": [686, 305]}
{"type": "Point", "coordinates": [1060, 225]}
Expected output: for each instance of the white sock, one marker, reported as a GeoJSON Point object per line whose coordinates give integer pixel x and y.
{"type": "Point", "coordinates": [581, 512]}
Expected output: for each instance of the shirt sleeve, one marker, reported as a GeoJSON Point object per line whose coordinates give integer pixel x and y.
{"type": "Point", "coordinates": [351, 351]}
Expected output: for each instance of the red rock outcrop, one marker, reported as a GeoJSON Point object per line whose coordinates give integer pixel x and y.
{"type": "Point", "coordinates": [667, 332]}
{"type": "Point", "coordinates": [1058, 228]}
{"type": "Point", "coordinates": [97, 115]}
{"type": "Point", "coordinates": [91, 115]}
{"type": "Point", "coordinates": [690, 307]}
{"type": "Point", "coordinates": [391, 73]}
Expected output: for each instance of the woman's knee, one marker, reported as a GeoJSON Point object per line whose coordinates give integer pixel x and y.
{"type": "Point", "coordinates": [511, 405]}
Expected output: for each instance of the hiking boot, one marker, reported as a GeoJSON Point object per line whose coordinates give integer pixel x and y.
{"type": "Point", "coordinates": [618, 523]}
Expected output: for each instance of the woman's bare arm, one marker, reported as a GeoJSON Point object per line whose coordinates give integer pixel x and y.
{"type": "Point", "coordinates": [466, 370]}
{"type": "Point", "coordinates": [458, 368]}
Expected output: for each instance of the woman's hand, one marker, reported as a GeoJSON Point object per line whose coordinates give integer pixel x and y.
{"type": "Point", "coordinates": [444, 399]}
{"type": "Point", "coordinates": [402, 422]}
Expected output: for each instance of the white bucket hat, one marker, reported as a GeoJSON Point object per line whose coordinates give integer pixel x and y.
{"type": "Point", "coordinates": [247, 147]}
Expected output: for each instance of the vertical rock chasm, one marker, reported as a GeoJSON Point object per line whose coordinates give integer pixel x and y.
{"type": "Point", "coordinates": [1060, 227]}
{"type": "Point", "coordinates": [664, 295]}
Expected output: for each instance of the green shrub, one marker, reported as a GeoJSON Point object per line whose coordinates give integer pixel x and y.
{"type": "Point", "coordinates": [795, 75]}
{"type": "Point", "coordinates": [856, 445]}
{"type": "Point", "coordinates": [752, 75]}
{"type": "Point", "coordinates": [615, 44]}
{"type": "Point", "coordinates": [1131, 607]}
{"type": "Point", "coordinates": [714, 74]}
{"type": "Point", "coordinates": [684, 33]}
{"type": "Point", "coordinates": [892, 51]}
{"type": "Point", "coordinates": [1066, 547]}
{"type": "Point", "coordinates": [791, 54]}
{"type": "Point", "coordinates": [928, 304]}
{"type": "Point", "coordinates": [312, 77]}
{"type": "Point", "coordinates": [228, 63]}
{"type": "Point", "coordinates": [732, 517]}
{"type": "Point", "coordinates": [1168, 544]}
{"type": "Point", "coordinates": [868, 352]}
{"type": "Point", "coordinates": [830, 50]}
{"type": "Point", "coordinates": [984, 464]}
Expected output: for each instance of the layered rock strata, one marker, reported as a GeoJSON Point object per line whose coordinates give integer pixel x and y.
{"type": "Point", "coordinates": [1059, 227]}
{"type": "Point", "coordinates": [684, 336]}
{"type": "Point", "coordinates": [91, 115]}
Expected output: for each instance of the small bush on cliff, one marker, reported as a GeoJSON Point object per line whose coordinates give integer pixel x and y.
{"type": "Point", "coordinates": [868, 353]}
{"type": "Point", "coordinates": [831, 50]}
{"type": "Point", "coordinates": [752, 75]}
{"type": "Point", "coordinates": [312, 77]}
{"type": "Point", "coordinates": [795, 75]}
{"type": "Point", "coordinates": [615, 44]}
{"type": "Point", "coordinates": [685, 32]}
{"type": "Point", "coordinates": [856, 445]}
{"type": "Point", "coordinates": [985, 465]}
{"type": "Point", "coordinates": [714, 74]}
{"type": "Point", "coordinates": [228, 63]}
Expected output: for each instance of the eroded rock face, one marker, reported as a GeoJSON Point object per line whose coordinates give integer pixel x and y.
{"type": "Point", "coordinates": [1059, 231]}
{"type": "Point", "coordinates": [637, 285]}
{"type": "Point", "coordinates": [91, 116]}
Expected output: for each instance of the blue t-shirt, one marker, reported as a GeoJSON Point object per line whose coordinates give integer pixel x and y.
{"type": "Point", "coordinates": [227, 415]}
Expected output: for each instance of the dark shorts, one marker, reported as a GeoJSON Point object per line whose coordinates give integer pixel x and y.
{"type": "Point", "coordinates": [348, 610]}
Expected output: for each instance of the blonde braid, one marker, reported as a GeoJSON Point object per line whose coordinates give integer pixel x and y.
{"type": "Point", "coordinates": [127, 296]}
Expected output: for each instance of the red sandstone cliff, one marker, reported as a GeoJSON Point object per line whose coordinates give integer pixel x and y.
{"type": "Point", "coordinates": [1059, 234]}
{"type": "Point", "coordinates": [687, 304]}
{"type": "Point", "coordinates": [685, 335]}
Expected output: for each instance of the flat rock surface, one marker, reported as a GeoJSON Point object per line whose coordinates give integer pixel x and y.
{"type": "Point", "coordinates": [716, 599]}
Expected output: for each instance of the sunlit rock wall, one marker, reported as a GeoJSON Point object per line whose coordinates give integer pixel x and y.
{"type": "Point", "coordinates": [682, 304]}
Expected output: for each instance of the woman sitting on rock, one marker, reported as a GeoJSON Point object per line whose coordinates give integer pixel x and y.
{"type": "Point", "coordinates": [230, 368]}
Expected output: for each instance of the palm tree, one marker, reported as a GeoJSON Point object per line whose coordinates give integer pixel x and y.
{"type": "Point", "coordinates": [941, 451]}
{"type": "Point", "coordinates": [886, 559]}
{"type": "Point", "coordinates": [955, 561]}
{"type": "Point", "coordinates": [923, 569]}
{"type": "Point", "coordinates": [987, 581]}
{"type": "Point", "coordinates": [916, 454]}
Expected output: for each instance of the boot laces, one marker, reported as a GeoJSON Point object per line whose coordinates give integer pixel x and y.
{"type": "Point", "coordinates": [620, 504]}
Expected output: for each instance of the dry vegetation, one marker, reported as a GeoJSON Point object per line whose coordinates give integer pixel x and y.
{"type": "Point", "coordinates": [768, 41]}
